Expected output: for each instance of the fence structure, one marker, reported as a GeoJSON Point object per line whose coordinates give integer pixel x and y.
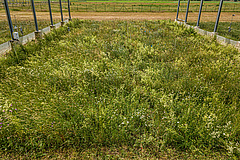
{"type": "Point", "coordinates": [15, 39]}
{"type": "Point", "coordinates": [7, 46]}
{"type": "Point", "coordinates": [126, 7]}
{"type": "Point", "coordinates": [220, 39]}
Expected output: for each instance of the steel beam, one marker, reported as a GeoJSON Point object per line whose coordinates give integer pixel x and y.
{"type": "Point", "coordinates": [9, 18]}
{"type": "Point", "coordinates": [200, 11]}
{"type": "Point", "coordinates": [187, 11]}
{"type": "Point", "coordinates": [178, 9]}
{"type": "Point", "coordinates": [218, 15]}
{"type": "Point", "coordinates": [50, 12]}
{"type": "Point", "coordinates": [69, 13]}
{"type": "Point", "coordinates": [60, 3]}
{"type": "Point", "coordinates": [34, 15]}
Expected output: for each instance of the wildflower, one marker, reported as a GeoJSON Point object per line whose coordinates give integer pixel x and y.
{"type": "Point", "coordinates": [0, 123]}
{"type": "Point", "coordinates": [15, 109]}
{"type": "Point", "coordinates": [3, 111]}
{"type": "Point", "coordinates": [8, 124]}
{"type": "Point", "coordinates": [11, 105]}
{"type": "Point", "coordinates": [10, 110]}
{"type": "Point", "coordinates": [52, 126]}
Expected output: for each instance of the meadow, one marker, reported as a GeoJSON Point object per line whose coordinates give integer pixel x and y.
{"type": "Point", "coordinates": [120, 89]}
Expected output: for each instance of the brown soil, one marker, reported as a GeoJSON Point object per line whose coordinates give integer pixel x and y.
{"type": "Point", "coordinates": [206, 16]}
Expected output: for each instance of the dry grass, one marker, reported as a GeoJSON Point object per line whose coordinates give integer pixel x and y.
{"type": "Point", "coordinates": [206, 16]}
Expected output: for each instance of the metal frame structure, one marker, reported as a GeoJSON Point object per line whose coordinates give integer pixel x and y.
{"type": "Point", "coordinates": [60, 3]}
{"type": "Point", "coordinates": [69, 13]}
{"type": "Point", "coordinates": [9, 18]}
{"type": "Point", "coordinates": [5, 2]}
{"type": "Point", "coordinates": [188, 4]}
{"type": "Point", "coordinates": [34, 15]}
{"type": "Point", "coordinates": [199, 15]}
{"type": "Point", "coordinates": [218, 15]}
{"type": "Point", "coordinates": [187, 10]}
{"type": "Point", "coordinates": [50, 12]}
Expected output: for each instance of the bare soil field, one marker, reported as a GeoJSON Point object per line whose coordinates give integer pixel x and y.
{"type": "Point", "coordinates": [206, 16]}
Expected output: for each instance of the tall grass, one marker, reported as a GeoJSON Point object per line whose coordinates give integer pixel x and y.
{"type": "Point", "coordinates": [148, 85]}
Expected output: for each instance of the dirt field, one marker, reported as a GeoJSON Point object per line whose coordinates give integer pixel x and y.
{"type": "Point", "coordinates": [206, 16]}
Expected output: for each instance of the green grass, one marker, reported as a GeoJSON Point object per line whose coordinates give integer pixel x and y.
{"type": "Point", "coordinates": [121, 88]}
{"type": "Point", "coordinates": [223, 29]}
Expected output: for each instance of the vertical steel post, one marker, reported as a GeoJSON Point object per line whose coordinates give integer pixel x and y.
{"type": "Point", "coordinates": [69, 10]}
{"type": "Point", "coordinates": [187, 11]}
{"type": "Point", "coordinates": [60, 3]}
{"type": "Point", "coordinates": [50, 11]}
{"type": "Point", "coordinates": [34, 15]}
{"type": "Point", "coordinates": [218, 15]}
{"type": "Point", "coordinates": [9, 18]}
{"type": "Point", "coordinates": [178, 9]}
{"type": "Point", "coordinates": [200, 11]}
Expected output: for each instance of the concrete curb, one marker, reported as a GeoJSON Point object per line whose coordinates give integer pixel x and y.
{"type": "Point", "coordinates": [6, 47]}
{"type": "Point", "coordinates": [220, 39]}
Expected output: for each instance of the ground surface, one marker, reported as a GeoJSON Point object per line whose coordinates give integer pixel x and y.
{"type": "Point", "coordinates": [206, 16]}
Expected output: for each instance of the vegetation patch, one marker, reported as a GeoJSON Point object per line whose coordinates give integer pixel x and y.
{"type": "Point", "coordinates": [107, 87]}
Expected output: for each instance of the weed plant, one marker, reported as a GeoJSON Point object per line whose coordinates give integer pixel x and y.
{"type": "Point", "coordinates": [143, 85]}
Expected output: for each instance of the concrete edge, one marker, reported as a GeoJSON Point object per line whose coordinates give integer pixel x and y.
{"type": "Point", "coordinates": [6, 47]}
{"type": "Point", "coordinates": [220, 39]}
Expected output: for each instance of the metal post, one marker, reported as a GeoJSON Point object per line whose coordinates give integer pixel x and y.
{"type": "Point", "coordinates": [9, 18]}
{"type": "Point", "coordinates": [69, 13]}
{"type": "Point", "coordinates": [200, 11]}
{"type": "Point", "coordinates": [60, 3]}
{"type": "Point", "coordinates": [218, 15]}
{"type": "Point", "coordinates": [34, 15]}
{"type": "Point", "coordinates": [50, 12]}
{"type": "Point", "coordinates": [187, 11]}
{"type": "Point", "coordinates": [178, 9]}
